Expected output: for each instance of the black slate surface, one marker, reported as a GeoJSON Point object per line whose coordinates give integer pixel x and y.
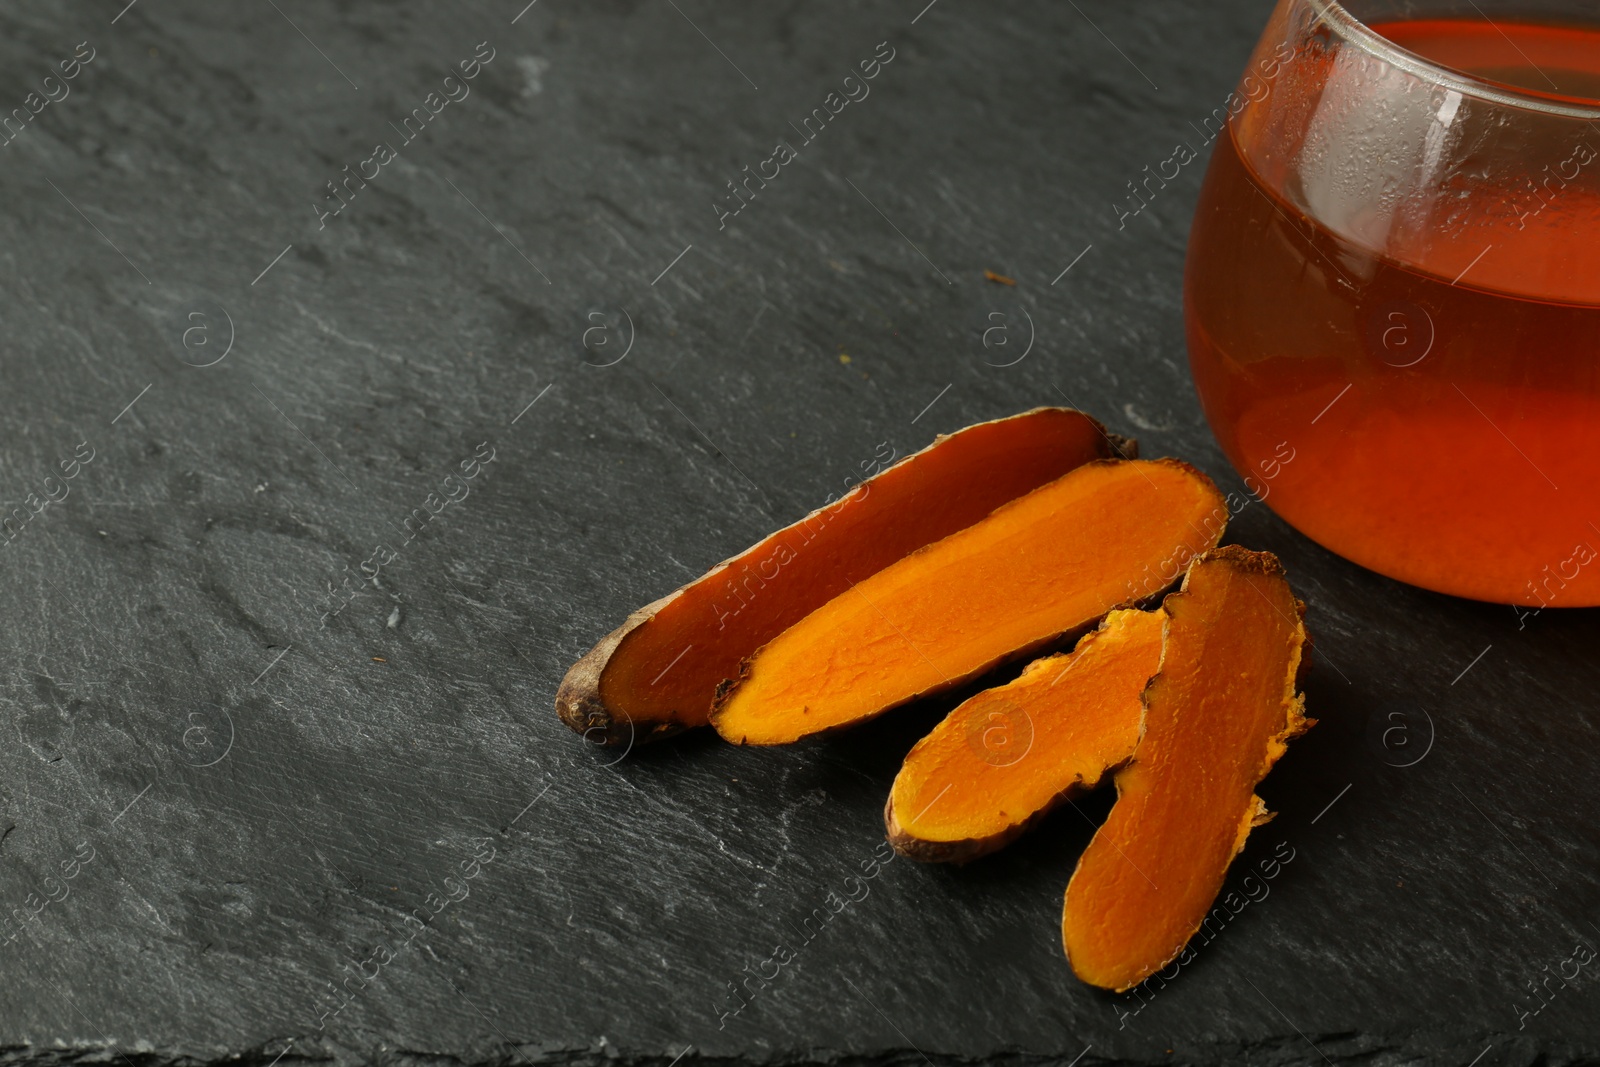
{"type": "Point", "coordinates": [234, 780]}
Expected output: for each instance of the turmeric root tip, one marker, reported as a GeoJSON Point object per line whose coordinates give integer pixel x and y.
{"type": "Point", "coordinates": [657, 673]}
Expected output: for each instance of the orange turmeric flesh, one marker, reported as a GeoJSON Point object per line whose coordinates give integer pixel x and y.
{"type": "Point", "coordinates": [1217, 717]}
{"type": "Point", "coordinates": [1007, 754]}
{"type": "Point", "coordinates": [1046, 565]}
{"type": "Point", "coordinates": [659, 671]}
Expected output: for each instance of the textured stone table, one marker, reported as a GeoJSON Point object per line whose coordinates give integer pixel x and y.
{"type": "Point", "coordinates": [358, 469]}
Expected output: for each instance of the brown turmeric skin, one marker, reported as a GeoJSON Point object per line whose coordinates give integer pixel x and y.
{"type": "Point", "coordinates": [1009, 754]}
{"type": "Point", "coordinates": [658, 673]}
{"type": "Point", "coordinates": [1218, 714]}
{"type": "Point", "coordinates": [1045, 566]}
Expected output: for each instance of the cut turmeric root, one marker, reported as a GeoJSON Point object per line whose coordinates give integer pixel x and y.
{"type": "Point", "coordinates": [1042, 567]}
{"type": "Point", "coordinates": [1217, 717]}
{"type": "Point", "coordinates": [658, 673]}
{"type": "Point", "coordinates": [1006, 755]}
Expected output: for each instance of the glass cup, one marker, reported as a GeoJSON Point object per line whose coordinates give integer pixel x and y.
{"type": "Point", "coordinates": [1392, 295]}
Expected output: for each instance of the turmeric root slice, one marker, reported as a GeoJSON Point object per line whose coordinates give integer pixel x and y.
{"type": "Point", "coordinates": [658, 672]}
{"type": "Point", "coordinates": [1044, 566]}
{"type": "Point", "coordinates": [1217, 717]}
{"type": "Point", "coordinates": [1005, 756]}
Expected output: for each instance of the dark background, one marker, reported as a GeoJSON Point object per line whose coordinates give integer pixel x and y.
{"type": "Point", "coordinates": [267, 793]}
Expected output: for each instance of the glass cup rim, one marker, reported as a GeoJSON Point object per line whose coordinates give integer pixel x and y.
{"type": "Point", "coordinates": [1380, 47]}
